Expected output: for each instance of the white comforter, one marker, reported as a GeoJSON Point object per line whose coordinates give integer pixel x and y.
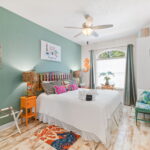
{"type": "Point", "coordinates": [89, 116]}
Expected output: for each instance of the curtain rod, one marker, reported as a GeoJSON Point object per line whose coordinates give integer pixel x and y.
{"type": "Point", "coordinates": [111, 47]}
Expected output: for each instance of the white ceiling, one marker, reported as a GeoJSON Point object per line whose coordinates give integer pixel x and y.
{"type": "Point", "coordinates": [128, 16]}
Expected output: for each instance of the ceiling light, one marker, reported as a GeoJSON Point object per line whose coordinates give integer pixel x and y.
{"type": "Point", "coordinates": [87, 31]}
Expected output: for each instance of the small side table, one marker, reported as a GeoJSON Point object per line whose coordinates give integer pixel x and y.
{"type": "Point", "coordinates": [28, 104]}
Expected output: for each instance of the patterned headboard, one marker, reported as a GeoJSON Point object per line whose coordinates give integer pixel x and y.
{"type": "Point", "coordinates": [54, 76]}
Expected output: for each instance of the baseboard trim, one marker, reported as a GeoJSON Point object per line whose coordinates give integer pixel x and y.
{"type": "Point", "coordinates": [7, 125]}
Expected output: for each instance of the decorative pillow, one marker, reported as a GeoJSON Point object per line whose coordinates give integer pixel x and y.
{"type": "Point", "coordinates": [145, 97]}
{"type": "Point", "coordinates": [69, 87]}
{"type": "Point", "coordinates": [66, 82]}
{"type": "Point", "coordinates": [72, 87]}
{"type": "Point", "coordinates": [73, 81]}
{"type": "Point", "coordinates": [75, 87]}
{"type": "Point", "coordinates": [49, 86]}
{"type": "Point", "coordinates": [59, 89]}
{"type": "Point", "coordinates": [139, 91]}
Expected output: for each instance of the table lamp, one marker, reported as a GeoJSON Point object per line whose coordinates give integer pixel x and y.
{"type": "Point", "coordinates": [76, 76]}
{"type": "Point", "coordinates": [32, 79]}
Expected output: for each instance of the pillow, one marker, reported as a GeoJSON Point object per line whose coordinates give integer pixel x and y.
{"type": "Point", "coordinates": [69, 87]}
{"type": "Point", "coordinates": [72, 81]}
{"type": "Point", "coordinates": [46, 81]}
{"type": "Point", "coordinates": [145, 97]}
{"type": "Point", "coordinates": [75, 87]}
{"type": "Point", "coordinates": [139, 91]}
{"type": "Point", "coordinates": [66, 82]}
{"type": "Point", "coordinates": [59, 89]}
{"type": "Point", "coordinates": [49, 86]}
{"type": "Point", "coordinates": [72, 87]}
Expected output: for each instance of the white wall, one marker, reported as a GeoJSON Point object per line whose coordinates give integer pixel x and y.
{"type": "Point", "coordinates": [143, 62]}
{"type": "Point", "coordinates": [103, 45]}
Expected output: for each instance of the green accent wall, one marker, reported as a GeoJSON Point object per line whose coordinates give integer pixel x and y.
{"type": "Point", "coordinates": [20, 40]}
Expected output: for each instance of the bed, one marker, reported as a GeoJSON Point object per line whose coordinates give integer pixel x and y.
{"type": "Point", "coordinates": [93, 120]}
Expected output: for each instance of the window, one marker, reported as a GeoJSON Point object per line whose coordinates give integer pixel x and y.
{"type": "Point", "coordinates": [111, 62]}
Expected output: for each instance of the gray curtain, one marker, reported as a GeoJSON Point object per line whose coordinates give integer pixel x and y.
{"type": "Point", "coordinates": [130, 95]}
{"type": "Point", "coordinates": [92, 70]}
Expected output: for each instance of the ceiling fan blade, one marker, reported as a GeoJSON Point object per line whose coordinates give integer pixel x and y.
{"type": "Point", "coordinates": [73, 27]}
{"type": "Point", "coordinates": [77, 34]}
{"type": "Point", "coordinates": [89, 20]}
{"type": "Point", "coordinates": [102, 26]}
{"type": "Point", "coordinates": [95, 34]}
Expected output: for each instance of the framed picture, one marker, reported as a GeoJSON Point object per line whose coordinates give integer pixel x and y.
{"type": "Point", "coordinates": [50, 51]}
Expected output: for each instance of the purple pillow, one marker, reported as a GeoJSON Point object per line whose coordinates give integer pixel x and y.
{"type": "Point", "coordinates": [59, 89]}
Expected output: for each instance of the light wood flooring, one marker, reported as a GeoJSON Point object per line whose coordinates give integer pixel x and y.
{"type": "Point", "coordinates": [127, 137]}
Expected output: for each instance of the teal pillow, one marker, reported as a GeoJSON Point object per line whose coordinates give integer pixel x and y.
{"type": "Point", "coordinates": [145, 97]}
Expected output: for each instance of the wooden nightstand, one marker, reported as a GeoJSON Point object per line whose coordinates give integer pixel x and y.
{"type": "Point", "coordinates": [27, 104]}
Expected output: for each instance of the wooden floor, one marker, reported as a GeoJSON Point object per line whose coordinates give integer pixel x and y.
{"type": "Point", "coordinates": [127, 137]}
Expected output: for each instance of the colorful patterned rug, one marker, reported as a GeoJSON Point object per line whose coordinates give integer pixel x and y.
{"type": "Point", "coordinates": [57, 137]}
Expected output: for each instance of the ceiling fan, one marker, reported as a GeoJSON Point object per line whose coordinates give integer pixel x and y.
{"type": "Point", "coordinates": [88, 28]}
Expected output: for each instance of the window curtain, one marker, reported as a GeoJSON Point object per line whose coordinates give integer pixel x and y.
{"type": "Point", "coordinates": [92, 70]}
{"type": "Point", "coordinates": [130, 94]}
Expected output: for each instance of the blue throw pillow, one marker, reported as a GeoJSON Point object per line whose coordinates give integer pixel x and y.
{"type": "Point", "coordinates": [145, 97]}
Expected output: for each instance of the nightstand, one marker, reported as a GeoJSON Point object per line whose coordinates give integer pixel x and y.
{"type": "Point", "coordinates": [28, 105]}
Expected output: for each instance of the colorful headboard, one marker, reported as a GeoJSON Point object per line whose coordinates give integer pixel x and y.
{"type": "Point", "coordinates": [55, 76]}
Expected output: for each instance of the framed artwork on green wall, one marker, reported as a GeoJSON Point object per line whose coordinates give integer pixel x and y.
{"type": "Point", "coordinates": [50, 51]}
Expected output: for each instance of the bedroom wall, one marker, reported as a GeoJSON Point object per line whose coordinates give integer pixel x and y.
{"type": "Point", "coordinates": [143, 62]}
{"type": "Point", "coordinates": [20, 40]}
{"type": "Point", "coordinates": [103, 45]}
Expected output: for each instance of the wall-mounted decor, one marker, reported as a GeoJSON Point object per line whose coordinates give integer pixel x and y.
{"type": "Point", "coordinates": [86, 64]}
{"type": "Point", "coordinates": [50, 51]}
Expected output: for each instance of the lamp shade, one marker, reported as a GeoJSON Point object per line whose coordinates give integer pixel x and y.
{"type": "Point", "coordinates": [30, 76]}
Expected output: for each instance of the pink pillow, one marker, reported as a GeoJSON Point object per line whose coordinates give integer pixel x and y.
{"type": "Point", "coordinates": [59, 89]}
{"type": "Point", "coordinates": [72, 87]}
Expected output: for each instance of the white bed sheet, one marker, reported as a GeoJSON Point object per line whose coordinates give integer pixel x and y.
{"type": "Point", "coordinates": [89, 116]}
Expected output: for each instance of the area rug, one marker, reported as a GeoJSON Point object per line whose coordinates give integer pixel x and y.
{"type": "Point", "coordinates": [57, 137]}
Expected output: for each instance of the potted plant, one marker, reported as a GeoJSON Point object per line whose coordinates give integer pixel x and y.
{"type": "Point", "coordinates": [107, 76]}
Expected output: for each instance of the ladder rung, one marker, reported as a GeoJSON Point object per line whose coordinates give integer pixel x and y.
{"type": "Point", "coordinates": [7, 115]}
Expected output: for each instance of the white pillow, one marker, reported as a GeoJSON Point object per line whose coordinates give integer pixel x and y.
{"type": "Point", "coordinates": [45, 81]}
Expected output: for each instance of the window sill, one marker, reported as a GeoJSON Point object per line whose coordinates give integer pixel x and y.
{"type": "Point", "coordinates": [115, 88]}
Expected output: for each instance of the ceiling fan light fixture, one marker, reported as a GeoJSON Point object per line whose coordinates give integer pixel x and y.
{"type": "Point", "coordinates": [87, 31]}
{"type": "Point", "coordinates": [88, 28]}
